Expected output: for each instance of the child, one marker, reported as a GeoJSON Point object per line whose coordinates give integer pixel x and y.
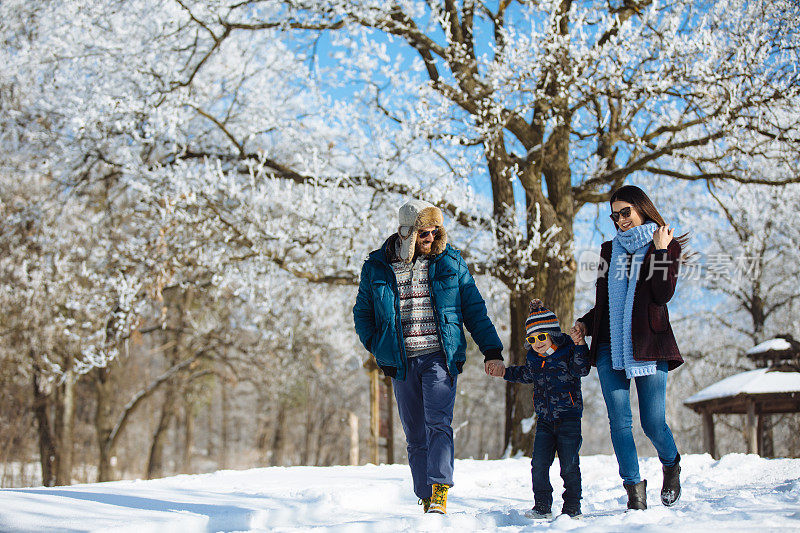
{"type": "Point", "coordinates": [554, 365]}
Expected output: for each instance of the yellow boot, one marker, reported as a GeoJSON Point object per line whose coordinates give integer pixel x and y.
{"type": "Point", "coordinates": [439, 499]}
{"type": "Point", "coordinates": [425, 503]}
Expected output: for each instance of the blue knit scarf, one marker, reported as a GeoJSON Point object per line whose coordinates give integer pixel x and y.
{"type": "Point", "coordinates": [621, 288]}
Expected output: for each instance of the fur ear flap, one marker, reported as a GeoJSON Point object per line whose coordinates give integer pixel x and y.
{"type": "Point", "coordinates": [439, 242]}
{"type": "Point", "coordinates": [407, 244]}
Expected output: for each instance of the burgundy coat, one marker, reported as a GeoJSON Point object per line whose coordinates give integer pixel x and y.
{"type": "Point", "coordinates": [651, 331]}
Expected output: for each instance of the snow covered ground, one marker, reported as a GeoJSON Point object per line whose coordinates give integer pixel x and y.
{"type": "Point", "coordinates": [737, 493]}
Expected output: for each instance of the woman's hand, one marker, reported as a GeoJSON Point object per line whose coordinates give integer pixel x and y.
{"type": "Point", "coordinates": [662, 237]}
{"type": "Point", "coordinates": [578, 329]}
{"type": "Point", "coordinates": [577, 336]}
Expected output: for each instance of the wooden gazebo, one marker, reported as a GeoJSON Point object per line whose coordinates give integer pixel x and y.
{"type": "Point", "coordinates": [772, 388]}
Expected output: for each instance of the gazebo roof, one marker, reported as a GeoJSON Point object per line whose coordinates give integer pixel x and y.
{"type": "Point", "coordinates": [774, 352]}
{"type": "Point", "coordinates": [776, 344]}
{"type": "Point", "coordinates": [778, 392]}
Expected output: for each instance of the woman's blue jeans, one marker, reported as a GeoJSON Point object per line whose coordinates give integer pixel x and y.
{"type": "Point", "coordinates": [652, 392]}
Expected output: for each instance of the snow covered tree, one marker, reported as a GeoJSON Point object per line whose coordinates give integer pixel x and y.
{"type": "Point", "coordinates": [212, 118]}
{"type": "Point", "coordinates": [751, 265]}
{"type": "Point", "coordinates": [556, 104]}
{"type": "Point", "coordinates": [122, 192]}
{"type": "Point", "coordinates": [757, 260]}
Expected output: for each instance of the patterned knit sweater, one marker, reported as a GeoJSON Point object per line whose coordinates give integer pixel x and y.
{"type": "Point", "coordinates": [416, 308]}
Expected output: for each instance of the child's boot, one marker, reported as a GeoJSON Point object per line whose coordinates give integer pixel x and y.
{"type": "Point", "coordinates": [539, 512]}
{"type": "Point", "coordinates": [572, 510]}
{"type": "Point", "coordinates": [439, 499]}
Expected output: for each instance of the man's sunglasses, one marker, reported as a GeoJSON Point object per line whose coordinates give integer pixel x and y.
{"type": "Point", "coordinates": [423, 234]}
{"type": "Point", "coordinates": [624, 212]}
{"type": "Point", "coordinates": [541, 337]}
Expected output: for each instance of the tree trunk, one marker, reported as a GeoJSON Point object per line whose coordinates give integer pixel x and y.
{"type": "Point", "coordinates": [328, 438]}
{"type": "Point", "coordinates": [519, 401]}
{"type": "Point", "coordinates": [555, 286]}
{"type": "Point", "coordinates": [64, 428]}
{"type": "Point", "coordinates": [210, 449]}
{"type": "Point", "coordinates": [188, 436]}
{"type": "Point", "coordinates": [305, 456]}
{"type": "Point", "coordinates": [104, 424]}
{"type": "Point", "coordinates": [278, 437]}
{"type": "Point", "coordinates": [224, 437]}
{"type": "Point", "coordinates": [550, 277]}
{"type": "Point", "coordinates": [155, 461]}
{"type": "Point", "coordinates": [47, 444]}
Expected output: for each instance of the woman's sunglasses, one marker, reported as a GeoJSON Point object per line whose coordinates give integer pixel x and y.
{"type": "Point", "coordinates": [541, 337]}
{"type": "Point", "coordinates": [624, 212]}
{"type": "Point", "coordinates": [423, 234]}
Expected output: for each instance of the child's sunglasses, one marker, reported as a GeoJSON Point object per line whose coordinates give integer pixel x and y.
{"type": "Point", "coordinates": [624, 212]}
{"type": "Point", "coordinates": [541, 337]}
{"type": "Point", "coordinates": [423, 234]}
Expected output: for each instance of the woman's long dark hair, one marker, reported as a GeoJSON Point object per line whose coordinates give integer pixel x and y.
{"type": "Point", "coordinates": [644, 206]}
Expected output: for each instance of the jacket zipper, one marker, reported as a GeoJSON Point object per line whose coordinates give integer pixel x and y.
{"type": "Point", "coordinates": [397, 323]}
{"type": "Point", "coordinates": [436, 315]}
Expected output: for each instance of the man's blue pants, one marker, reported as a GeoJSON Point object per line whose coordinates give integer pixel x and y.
{"type": "Point", "coordinates": [425, 401]}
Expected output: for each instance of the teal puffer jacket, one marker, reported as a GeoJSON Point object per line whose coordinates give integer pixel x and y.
{"type": "Point", "coordinates": [456, 301]}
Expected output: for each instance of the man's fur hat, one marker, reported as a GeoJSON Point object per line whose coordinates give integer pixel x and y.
{"type": "Point", "coordinates": [416, 214]}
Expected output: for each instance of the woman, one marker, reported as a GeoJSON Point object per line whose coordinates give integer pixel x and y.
{"type": "Point", "coordinates": [632, 337]}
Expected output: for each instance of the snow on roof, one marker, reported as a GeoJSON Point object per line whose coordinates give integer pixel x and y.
{"type": "Point", "coordinates": [759, 381]}
{"type": "Point", "coordinates": [772, 344]}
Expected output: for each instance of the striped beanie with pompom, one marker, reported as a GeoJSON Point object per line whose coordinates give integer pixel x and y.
{"type": "Point", "coordinates": [541, 319]}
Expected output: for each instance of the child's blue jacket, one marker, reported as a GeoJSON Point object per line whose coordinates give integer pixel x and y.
{"type": "Point", "coordinates": [556, 380]}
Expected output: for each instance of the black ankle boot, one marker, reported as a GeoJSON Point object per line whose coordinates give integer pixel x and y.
{"type": "Point", "coordinates": [637, 495]}
{"type": "Point", "coordinates": [671, 490]}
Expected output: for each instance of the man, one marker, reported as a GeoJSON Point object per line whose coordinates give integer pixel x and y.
{"type": "Point", "coordinates": [415, 292]}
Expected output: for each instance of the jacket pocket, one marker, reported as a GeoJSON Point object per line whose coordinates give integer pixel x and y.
{"type": "Point", "coordinates": [453, 335]}
{"type": "Point", "coordinates": [446, 279]}
{"type": "Point", "coordinates": [658, 317]}
{"type": "Point", "coordinates": [381, 298]}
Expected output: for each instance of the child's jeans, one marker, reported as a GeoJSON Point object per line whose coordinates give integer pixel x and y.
{"type": "Point", "coordinates": [562, 436]}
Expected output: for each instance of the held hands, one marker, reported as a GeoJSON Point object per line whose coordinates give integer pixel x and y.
{"type": "Point", "coordinates": [662, 237]}
{"type": "Point", "coordinates": [578, 332]}
{"type": "Point", "coordinates": [495, 368]}
{"type": "Point", "coordinates": [579, 328]}
{"type": "Point", "coordinates": [577, 337]}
